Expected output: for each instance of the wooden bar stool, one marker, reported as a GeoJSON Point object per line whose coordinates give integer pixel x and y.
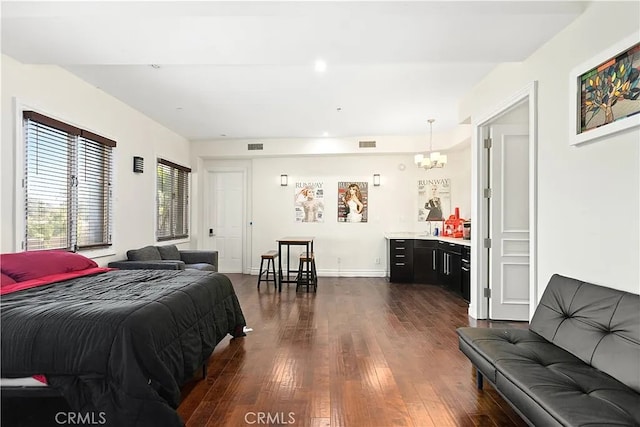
{"type": "Point", "coordinates": [270, 256]}
{"type": "Point", "coordinates": [307, 275]}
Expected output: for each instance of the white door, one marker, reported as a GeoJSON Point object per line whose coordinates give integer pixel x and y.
{"type": "Point", "coordinates": [224, 218]}
{"type": "Point", "coordinates": [509, 222]}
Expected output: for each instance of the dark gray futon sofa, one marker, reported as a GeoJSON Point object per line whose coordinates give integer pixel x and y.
{"type": "Point", "coordinates": [578, 364]}
{"type": "Point", "coordinates": [168, 257]}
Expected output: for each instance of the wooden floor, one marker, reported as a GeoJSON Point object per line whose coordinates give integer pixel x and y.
{"type": "Point", "coordinates": [360, 352]}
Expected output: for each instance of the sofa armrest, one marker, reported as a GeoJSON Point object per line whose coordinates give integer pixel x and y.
{"type": "Point", "coordinates": [148, 265]}
{"type": "Point", "coordinates": [199, 257]}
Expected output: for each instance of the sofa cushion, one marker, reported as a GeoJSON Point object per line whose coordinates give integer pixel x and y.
{"type": "Point", "coordinates": [487, 347]}
{"type": "Point", "coordinates": [573, 393]}
{"type": "Point", "coordinates": [148, 253]}
{"type": "Point", "coordinates": [169, 252]}
{"type": "Point", "coordinates": [203, 266]}
{"type": "Point", "coordinates": [597, 324]}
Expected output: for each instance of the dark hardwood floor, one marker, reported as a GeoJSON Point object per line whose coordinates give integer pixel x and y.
{"type": "Point", "coordinates": [360, 352]}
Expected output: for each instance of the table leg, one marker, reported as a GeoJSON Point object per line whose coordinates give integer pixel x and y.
{"type": "Point", "coordinates": [279, 267]}
{"type": "Point", "coordinates": [288, 263]}
{"type": "Point", "coordinates": [308, 266]}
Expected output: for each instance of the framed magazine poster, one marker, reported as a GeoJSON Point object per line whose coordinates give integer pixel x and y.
{"type": "Point", "coordinates": [308, 201]}
{"type": "Point", "coordinates": [434, 199]}
{"type": "Point", "coordinates": [353, 201]}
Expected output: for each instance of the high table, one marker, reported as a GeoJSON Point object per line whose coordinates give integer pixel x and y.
{"type": "Point", "coordinates": [307, 242]}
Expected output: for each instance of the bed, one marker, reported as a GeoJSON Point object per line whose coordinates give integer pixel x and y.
{"type": "Point", "coordinates": [119, 343]}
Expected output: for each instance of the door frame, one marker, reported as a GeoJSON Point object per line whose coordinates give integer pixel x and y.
{"type": "Point", "coordinates": [479, 305]}
{"type": "Point", "coordinates": [214, 165]}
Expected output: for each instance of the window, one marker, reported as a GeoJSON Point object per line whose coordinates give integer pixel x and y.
{"type": "Point", "coordinates": [67, 183]}
{"type": "Point", "coordinates": [172, 201]}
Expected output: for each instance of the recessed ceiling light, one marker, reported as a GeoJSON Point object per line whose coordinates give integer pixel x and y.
{"type": "Point", "coordinates": [325, 134]}
{"type": "Point", "coordinates": [321, 66]}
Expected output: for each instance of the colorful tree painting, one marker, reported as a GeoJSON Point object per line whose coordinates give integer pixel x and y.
{"type": "Point", "coordinates": [610, 91]}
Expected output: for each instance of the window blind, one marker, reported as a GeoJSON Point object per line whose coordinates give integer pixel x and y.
{"type": "Point", "coordinates": [68, 174]}
{"type": "Point", "coordinates": [172, 201]}
{"type": "Point", "coordinates": [94, 210]}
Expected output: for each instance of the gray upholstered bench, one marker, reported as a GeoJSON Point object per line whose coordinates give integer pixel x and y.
{"type": "Point", "coordinates": [578, 364]}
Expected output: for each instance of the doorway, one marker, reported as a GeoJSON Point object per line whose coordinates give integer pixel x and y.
{"type": "Point", "coordinates": [504, 159]}
{"type": "Point", "coordinates": [223, 217]}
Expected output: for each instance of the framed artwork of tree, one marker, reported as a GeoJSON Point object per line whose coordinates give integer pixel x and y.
{"type": "Point", "coordinates": [605, 92]}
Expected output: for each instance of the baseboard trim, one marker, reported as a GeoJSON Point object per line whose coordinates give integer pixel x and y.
{"type": "Point", "coordinates": [339, 273]}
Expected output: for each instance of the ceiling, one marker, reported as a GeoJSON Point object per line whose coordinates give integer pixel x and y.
{"type": "Point", "coordinates": [245, 70]}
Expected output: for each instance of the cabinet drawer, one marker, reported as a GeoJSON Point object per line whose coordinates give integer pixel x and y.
{"type": "Point", "coordinates": [450, 247]}
{"type": "Point", "coordinates": [401, 256]}
{"type": "Point", "coordinates": [401, 265]}
{"type": "Point", "coordinates": [401, 272]}
{"type": "Point", "coordinates": [401, 244]}
{"type": "Point", "coordinates": [401, 260]}
{"type": "Point", "coordinates": [425, 244]}
{"type": "Point", "coordinates": [466, 255]}
{"type": "Point", "coordinates": [401, 247]}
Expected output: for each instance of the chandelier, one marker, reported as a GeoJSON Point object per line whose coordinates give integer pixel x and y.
{"type": "Point", "coordinates": [433, 159]}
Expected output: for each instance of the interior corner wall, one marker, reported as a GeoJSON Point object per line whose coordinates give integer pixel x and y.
{"type": "Point", "coordinates": [588, 201]}
{"type": "Point", "coordinates": [55, 92]}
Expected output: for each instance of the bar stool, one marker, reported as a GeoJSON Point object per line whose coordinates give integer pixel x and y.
{"type": "Point", "coordinates": [270, 256]}
{"type": "Point", "coordinates": [307, 275]}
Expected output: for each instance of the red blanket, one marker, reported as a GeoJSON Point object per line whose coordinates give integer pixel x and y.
{"type": "Point", "coordinates": [52, 278]}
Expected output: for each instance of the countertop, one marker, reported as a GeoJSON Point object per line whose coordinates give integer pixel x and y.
{"type": "Point", "coordinates": [423, 236]}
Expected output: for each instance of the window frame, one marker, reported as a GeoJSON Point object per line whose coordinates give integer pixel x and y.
{"type": "Point", "coordinates": [177, 169]}
{"type": "Point", "coordinates": [20, 174]}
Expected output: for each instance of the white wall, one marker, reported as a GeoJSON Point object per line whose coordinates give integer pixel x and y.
{"type": "Point", "coordinates": [588, 196]}
{"type": "Point", "coordinates": [59, 94]}
{"type": "Point", "coordinates": [53, 91]}
{"type": "Point", "coordinates": [392, 206]}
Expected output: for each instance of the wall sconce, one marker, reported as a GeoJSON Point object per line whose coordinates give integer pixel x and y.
{"type": "Point", "coordinates": [376, 180]}
{"type": "Point", "coordinates": [284, 180]}
{"type": "Point", "coordinates": [138, 164]}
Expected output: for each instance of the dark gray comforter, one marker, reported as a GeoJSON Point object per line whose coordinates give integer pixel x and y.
{"type": "Point", "coordinates": [122, 342]}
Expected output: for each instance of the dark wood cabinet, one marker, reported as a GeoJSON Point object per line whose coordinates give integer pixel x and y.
{"type": "Point", "coordinates": [425, 261]}
{"type": "Point", "coordinates": [450, 266]}
{"type": "Point", "coordinates": [455, 271]}
{"type": "Point", "coordinates": [443, 262]}
{"type": "Point", "coordinates": [466, 273]}
{"type": "Point", "coordinates": [401, 260]}
{"type": "Point", "coordinates": [431, 262]}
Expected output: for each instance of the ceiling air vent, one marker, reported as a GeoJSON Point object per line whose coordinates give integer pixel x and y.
{"type": "Point", "coordinates": [257, 146]}
{"type": "Point", "coordinates": [367, 144]}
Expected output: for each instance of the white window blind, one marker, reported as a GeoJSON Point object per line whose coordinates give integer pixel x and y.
{"type": "Point", "coordinates": [68, 174]}
{"type": "Point", "coordinates": [172, 201]}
